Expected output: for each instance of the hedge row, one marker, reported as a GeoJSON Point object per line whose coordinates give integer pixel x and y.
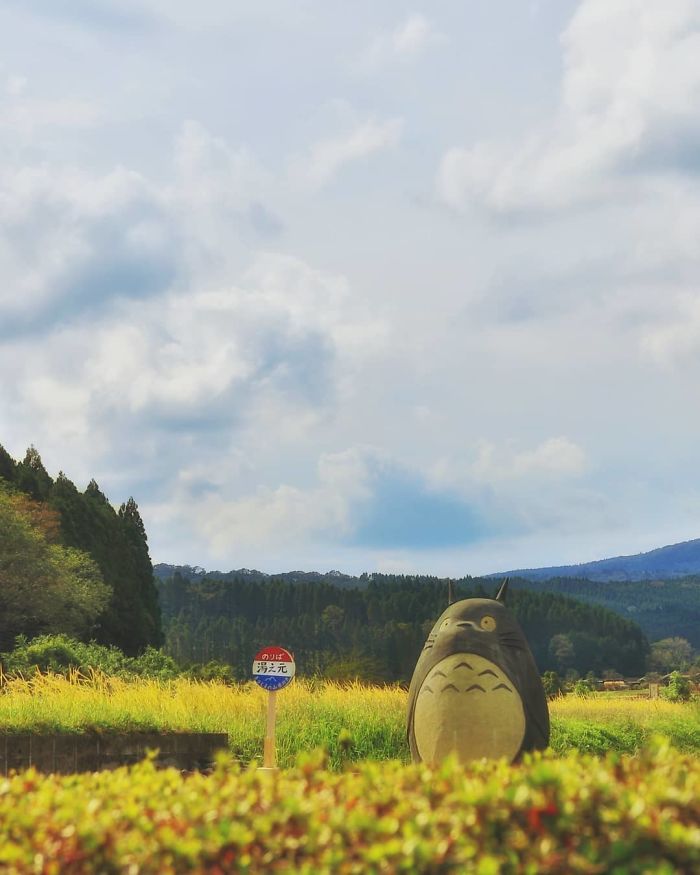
{"type": "Point", "coordinates": [577, 814]}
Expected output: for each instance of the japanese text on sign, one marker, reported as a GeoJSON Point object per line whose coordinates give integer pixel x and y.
{"type": "Point", "coordinates": [262, 667]}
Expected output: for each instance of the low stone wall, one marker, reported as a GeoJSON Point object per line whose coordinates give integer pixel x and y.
{"type": "Point", "coordinates": [90, 752]}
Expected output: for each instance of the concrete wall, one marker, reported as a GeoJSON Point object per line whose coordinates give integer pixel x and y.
{"type": "Point", "coordinates": [91, 752]}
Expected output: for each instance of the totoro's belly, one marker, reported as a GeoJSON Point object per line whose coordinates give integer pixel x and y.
{"type": "Point", "coordinates": [467, 705]}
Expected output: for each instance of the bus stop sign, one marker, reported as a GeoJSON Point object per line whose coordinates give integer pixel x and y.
{"type": "Point", "coordinates": [273, 668]}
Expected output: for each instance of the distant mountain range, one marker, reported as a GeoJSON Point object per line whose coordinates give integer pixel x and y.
{"type": "Point", "coordinates": [664, 563]}
{"type": "Point", "coordinates": [675, 560]}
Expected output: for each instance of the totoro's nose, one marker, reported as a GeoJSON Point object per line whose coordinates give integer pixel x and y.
{"type": "Point", "coordinates": [465, 623]}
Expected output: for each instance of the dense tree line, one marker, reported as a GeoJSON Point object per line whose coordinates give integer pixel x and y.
{"type": "Point", "coordinates": [662, 608]}
{"type": "Point", "coordinates": [109, 589]}
{"type": "Point", "coordinates": [376, 630]}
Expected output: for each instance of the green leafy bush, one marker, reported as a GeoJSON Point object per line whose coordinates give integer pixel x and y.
{"type": "Point", "coordinates": [212, 671]}
{"type": "Point", "coordinates": [582, 689]}
{"type": "Point", "coordinates": [552, 684]}
{"type": "Point", "coordinates": [678, 689]}
{"type": "Point", "coordinates": [44, 585]}
{"type": "Point", "coordinates": [577, 814]}
{"type": "Point", "coordinates": [61, 654]}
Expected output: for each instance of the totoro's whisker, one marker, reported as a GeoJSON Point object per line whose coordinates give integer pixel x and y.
{"type": "Point", "coordinates": [508, 641]}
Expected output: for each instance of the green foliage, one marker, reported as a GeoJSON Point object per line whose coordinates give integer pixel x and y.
{"type": "Point", "coordinates": [62, 654]}
{"type": "Point", "coordinates": [116, 542]}
{"type": "Point", "coordinates": [31, 476]}
{"type": "Point", "coordinates": [671, 654]}
{"type": "Point", "coordinates": [375, 630]}
{"type": "Point", "coordinates": [552, 684]}
{"type": "Point", "coordinates": [354, 667]}
{"type": "Point", "coordinates": [662, 608]}
{"type": "Point", "coordinates": [582, 688]}
{"type": "Point", "coordinates": [8, 466]}
{"type": "Point", "coordinates": [624, 814]}
{"type": "Point", "coordinates": [210, 671]}
{"type": "Point", "coordinates": [678, 689]}
{"type": "Point", "coordinates": [44, 587]}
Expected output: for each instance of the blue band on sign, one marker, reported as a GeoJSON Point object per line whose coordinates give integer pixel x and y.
{"type": "Point", "coordinates": [271, 682]}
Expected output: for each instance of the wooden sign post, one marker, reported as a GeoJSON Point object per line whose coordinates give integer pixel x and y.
{"type": "Point", "coordinates": [273, 668]}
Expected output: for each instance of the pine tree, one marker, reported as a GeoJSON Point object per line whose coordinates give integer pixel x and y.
{"type": "Point", "coordinates": [148, 611]}
{"type": "Point", "coordinates": [32, 477]}
{"type": "Point", "coordinates": [8, 469]}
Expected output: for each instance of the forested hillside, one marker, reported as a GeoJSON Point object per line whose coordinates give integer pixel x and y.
{"type": "Point", "coordinates": [662, 608]}
{"type": "Point", "coordinates": [69, 562]}
{"type": "Point", "coordinates": [376, 629]}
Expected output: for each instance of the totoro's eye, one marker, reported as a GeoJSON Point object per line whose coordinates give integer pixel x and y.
{"type": "Point", "coordinates": [444, 624]}
{"type": "Point", "coordinates": [488, 624]}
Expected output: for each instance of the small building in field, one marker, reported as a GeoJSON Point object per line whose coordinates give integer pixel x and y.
{"type": "Point", "coordinates": [615, 684]}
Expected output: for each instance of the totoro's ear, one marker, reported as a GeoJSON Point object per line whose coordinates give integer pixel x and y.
{"type": "Point", "coordinates": [503, 589]}
{"type": "Point", "coordinates": [450, 592]}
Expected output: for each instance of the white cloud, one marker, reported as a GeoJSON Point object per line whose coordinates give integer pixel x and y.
{"type": "Point", "coordinates": [24, 115]}
{"type": "Point", "coordinates": [525, 490]}
{"type": "Point", "coordinates": [504, 466]}
{"type": "Point", "coordinates": [676, 340]}
{"type": "Point", "coordinates": [328, 156]}
{"type": "Point", "coordinates": [145, 314]}
{"type": "Point", "coordinates": [183, 355]}
{"type": "Point", "coordinates": [629, 97]}
{"type": "Point", "coordinates": [117, 234]}
{"type": "Point", "coordinates": [409, 39]}
{"type": "Point", "coordinates": [124, 329]}
{"type": "Point", "coordinates": [272, 519]}
{"type": "Point", "coordinates": [211, 172]}
{"type": "Point", "coordinates": [413, 35]}
{"type": "Point", "coordinates": [15, 85]}
{"type": "Point", "coordinates": [98, 236]}
{"type": "Point", "coordinates": [309, 297]}
{"type": "Point", "coordinates": [556, 456]}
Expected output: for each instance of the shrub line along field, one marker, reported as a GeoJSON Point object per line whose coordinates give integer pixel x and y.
{"type": "Point", "coordinates": [574, 814]}
{"type": "Point", "coordinates": [351, 722]}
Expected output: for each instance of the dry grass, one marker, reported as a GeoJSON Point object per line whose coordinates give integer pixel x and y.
{"type": "Point", "coordinates": [600, 708]}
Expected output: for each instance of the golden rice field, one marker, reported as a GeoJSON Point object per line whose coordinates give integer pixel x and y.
{"type": "Point", "coordinates": [352, 721]}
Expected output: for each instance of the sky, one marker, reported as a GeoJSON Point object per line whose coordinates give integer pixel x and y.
{"type": "Point", "coordinates": [369, 287]}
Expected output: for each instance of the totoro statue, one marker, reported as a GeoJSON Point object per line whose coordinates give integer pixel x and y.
{"type": "Point", "coordinates": [475, 689]}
